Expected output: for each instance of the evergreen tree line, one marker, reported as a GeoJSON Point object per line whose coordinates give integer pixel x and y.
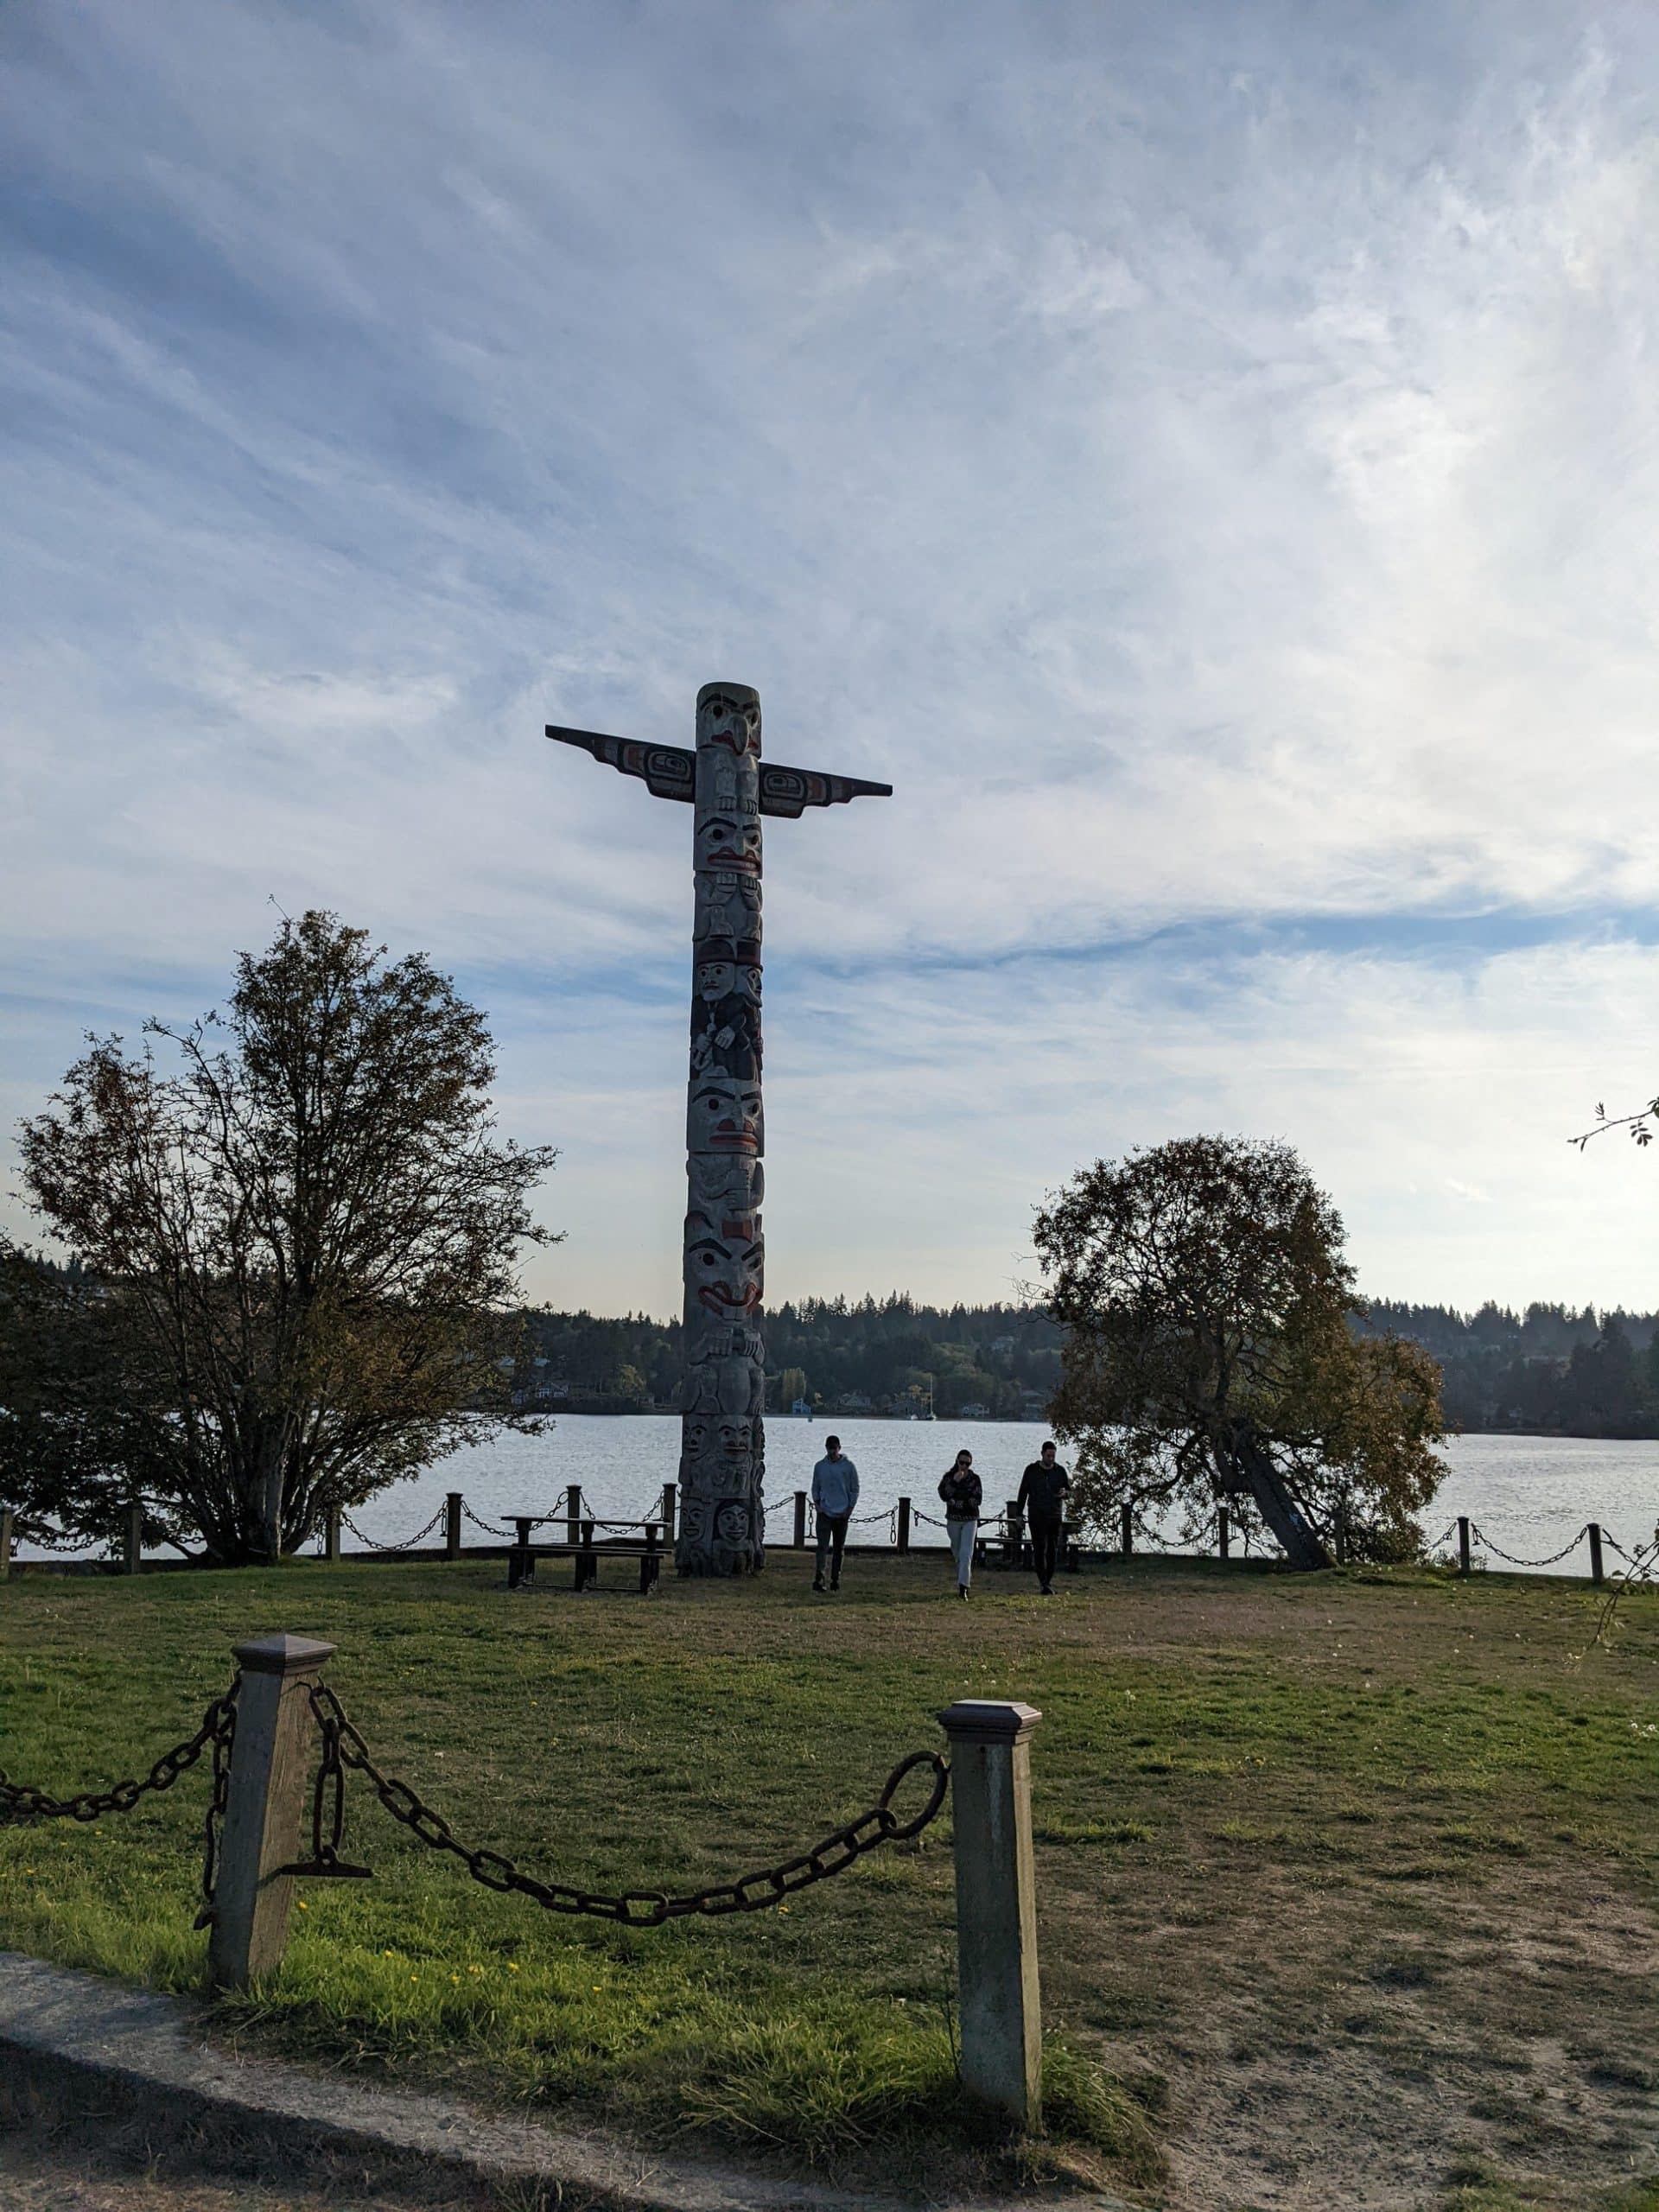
{"type": "Point", "coordinates": [1548, 1370]}
{"type": "Point", "coordinates": [882, 1355]}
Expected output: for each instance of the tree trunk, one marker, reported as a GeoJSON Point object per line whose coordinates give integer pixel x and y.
{"type": "Point", "coordinates": [1302, 1544]}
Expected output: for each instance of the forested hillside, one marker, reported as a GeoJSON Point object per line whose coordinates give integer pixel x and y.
{"type": "Point", "coordinates": [877, 1356]}
{"type": "Point", "coordinates": [1548, 1371]}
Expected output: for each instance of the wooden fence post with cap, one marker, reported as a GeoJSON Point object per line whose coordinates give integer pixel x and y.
{"type": "Point", "coordinates": [800, 1520]}
{"type": "Point", "coordinates": [1126, 1530]}
{"type": "Point", "coordinates": [331, 1536]}
{"type": "Point", "coordinates": [572, 1515]}
{"type": "Point", "coordinates": [1463, 1544]}
{"type": "Point", "coordinates": [132, 1538]}
{"type": "Point", "coordinates": [521, 1561]}
{"type": "Point", "coordinates": [671, 1491]}
{"type": "Point", "coordinates": [1593, 1529]}
{"type": "Point", "coordinates": [997, 1996]}
{"type": "Point", "coordinates": [1223, 1533]}
{"type": "Point", "coordinates": [452, 1524]}
{"type": "Point", "coordinates": [6, 1519]}
{"type": "Point", "coordinates": [272, 1754]}
{"type": "Point", "coordinates": [902, 1539]}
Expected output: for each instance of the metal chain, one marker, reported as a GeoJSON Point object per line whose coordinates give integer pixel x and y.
{"type": "Point", "coordinates": [18, 1801]}
{"type": "Point", "coordinates": [217, 1804]}
{"type": "Point", "coordinates": [59, 1541]}
{"type": "Point", "coordinates": [407, 1545]}
{"type": "Point", "coordinates": [752, 1892]}
{"type": "Point", "coordinates": [488, 1528]}
{"type": "Point", "coordinates": [1486, 1544]}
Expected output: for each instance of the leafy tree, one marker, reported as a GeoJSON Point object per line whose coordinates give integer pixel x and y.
{"type": "Point", "coordinates": [77, 1439]}
{"type": "Point", "coordinates": [303, 1229]}
{"type": "Point", "coordinates": [1208, 1305]}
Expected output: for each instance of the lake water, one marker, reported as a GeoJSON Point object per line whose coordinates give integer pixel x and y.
{"type": "Point", "coordinates": [1529, 1494]}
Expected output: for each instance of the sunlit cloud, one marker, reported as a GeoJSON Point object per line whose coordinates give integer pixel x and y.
{"type": "Point", "coordinates": [1204, 458]}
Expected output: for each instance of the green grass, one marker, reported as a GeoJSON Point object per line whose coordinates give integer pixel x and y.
{"type": "Point", "coordinates": [1311, 1841]}
{"type": "Point", "coordinates": [1480, 2191]}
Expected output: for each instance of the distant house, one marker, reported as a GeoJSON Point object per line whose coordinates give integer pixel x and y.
{"type": "Point", "coordinates": [852, 1401]}
{"type": "Point", "coordinates": [974, 1411]}
{"type": "Point", "coordinates": [801, 1410]}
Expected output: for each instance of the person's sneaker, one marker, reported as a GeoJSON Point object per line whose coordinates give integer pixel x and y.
{"type": "Point", "coordinates": [1047, 1589]}
{"type": "Point", "coordinates": [818, 1585]}
{"type": "Point", "coordinates": [834, 1582]}
{"type": "Point", "coordinates": [962, 1589]}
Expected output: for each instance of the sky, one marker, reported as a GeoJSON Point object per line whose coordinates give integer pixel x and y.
{"type": "Point", "coordinates": [1204, 457]}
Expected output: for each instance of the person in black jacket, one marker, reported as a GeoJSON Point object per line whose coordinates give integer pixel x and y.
{"type": "Point", "coordinates": [1042, 1500]}
{"type": "Point", "coordinates": [961, 1492]}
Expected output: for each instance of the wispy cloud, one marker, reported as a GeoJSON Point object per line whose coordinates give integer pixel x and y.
{"type": "Point", "coordinates": [1204, 458]}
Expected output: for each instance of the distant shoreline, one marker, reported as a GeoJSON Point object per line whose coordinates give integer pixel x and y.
{"type": "Point", "coordinates": [1018, 1421]}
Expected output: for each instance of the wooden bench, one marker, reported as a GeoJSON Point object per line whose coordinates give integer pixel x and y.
{"type": "Point", "coordinates": [650, 1548]}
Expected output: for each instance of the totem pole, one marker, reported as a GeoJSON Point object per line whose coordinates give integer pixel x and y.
{"type": "Point", "coordinates": [722, 1523]}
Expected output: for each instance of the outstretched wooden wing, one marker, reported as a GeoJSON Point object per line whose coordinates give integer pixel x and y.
{"type": "Point", "coordinates": [671, 772]}
{"type": "Point", "coordinates": [788, 790]}
{"type": "Point", "coordinates": [666, 770]}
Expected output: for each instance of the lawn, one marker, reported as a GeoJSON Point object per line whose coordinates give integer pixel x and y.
{"type": "Point", "coordinates": [1346, 1882]}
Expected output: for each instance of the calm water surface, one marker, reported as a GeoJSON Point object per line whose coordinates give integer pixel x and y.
{"type": "Point", "coordinates": [1529, 1495]}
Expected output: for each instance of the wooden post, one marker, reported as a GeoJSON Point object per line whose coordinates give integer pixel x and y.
{"type": "Point", "coordinates": [1595, 1553]}
{"type": "Point", "coordinates": [521, 1565]}
{"type": "Point", "coordinates": [1126, 1531]}
{"type": "Point", "coordinates": [572, 1515]}
{"type": "Point", "coordinates": [1463, 1544]}
{"type": "Point", "coordinates": [331, 1536]}
{"type": "Point", "coordinates": [452, 1524]}
{"type": "Point", "coordinates": [1223, 1532]}
{"type": "Point", "coordinates": [272, 1755]}
{"type": "Point", "coordinates": [7, 1518]}
{"type": "Point", "coordinates": [997, 1994]}
{"type": "Point", "coordinates": [671, 1491]}
{"type": "Point", "coordinates": [800, 1520]}
{"type": "Point", "coordinates": [903, 1524]}
{"type": "Point", "coordinates": [132, 1538]}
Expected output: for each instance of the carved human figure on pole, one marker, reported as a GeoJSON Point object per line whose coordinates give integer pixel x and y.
{"type": "Point", "coordinates": [723, 1433]}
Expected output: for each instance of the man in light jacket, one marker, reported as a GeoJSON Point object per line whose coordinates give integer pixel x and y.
{"type": "Point", "coordinates": [835, 1493]}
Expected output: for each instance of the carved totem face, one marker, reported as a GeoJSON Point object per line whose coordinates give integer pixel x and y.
{"type": "Point", "coordinates": [737, 1441]}
{"type": "Point", "coordinates": [725, 1261]}
{"type": "Point", "coordinates": [728, 842]}
{"type": "Point", "coordinates": [730, 714]}
{"type": "Point", "coordinates": [725, 1116]}
{"type": "Point", "coordinates": [726, 1182]}
{"type": "Point", "coordinates": [732, 1523]}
